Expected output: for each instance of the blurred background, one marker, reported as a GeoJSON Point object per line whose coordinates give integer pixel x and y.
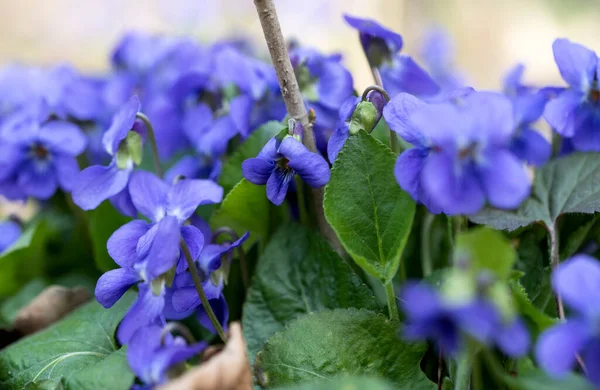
{"type": "Point", "coordinates": [490, 35]}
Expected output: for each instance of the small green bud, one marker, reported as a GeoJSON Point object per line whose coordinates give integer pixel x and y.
{"type": "Point", "coordinates": [458, 287]}
{"type": "Point", "coordinates": [130, 151]}
{"type": "Point", "coordinates": [364, 117]}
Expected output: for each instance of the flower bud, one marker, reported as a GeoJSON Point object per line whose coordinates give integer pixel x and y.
{"type": "Point", "coordinates": [364, 117]}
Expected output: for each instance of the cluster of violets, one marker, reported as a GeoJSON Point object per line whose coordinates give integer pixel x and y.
{"type": "Point", "coordinates": [465, 149]}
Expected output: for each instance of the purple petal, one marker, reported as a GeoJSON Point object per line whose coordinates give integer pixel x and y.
{"type": "Point", "coordinates": [269, 151]}
{"type": "Point", "coordinates": [558, 346]}
{"type": "Point", "coordinates": [149, 194]}
{"type": "Point", "coordinates": [513, 339]}
{"type": "Point", "coordinates": [221, 311]}
{"type": "Point", "coordinates": [10, 232]}
{"type": "Point", "coordinates": [512, 79]}
{"type": "Point", "coordinates": [563, 113]}
{"type": "Point", "coordinates": [197, 122]}
{"type": "Point", "coordinates": [67, 169]}
{"type": "Point", "coordinates": [256, 170]}
{"type": "Point", "coordinates": [123, 242]}
{"type": "Point", "coordinates": [529, 107]}
{"type": "Point", "coordinates": [438, 124]}
{"type": "Point", "coordinates": [311, 167]}
{"type": "Point", "coordinates": [97, 183]}
{"type": "Point", "coordinates": [187, 194]}
{"type": "Point", "coordinates": [240, 109]}
{"type": "Point", "coordinates": [372, 28]}
{"type": "Point", "coordinates": [587, 135]}
{"type": "Point", "coordinates": [145, 311]}
{"type": "Point", "coordinates": [123, 204]}
{"type": "Point", "coordinates": [455, 192]}
{"type": "Point", "coordinates": [164, 249]}
{"type": "Point", "coordinates": [63, 137]}
{"type": "Point", "coordinates": [504, 179]}
{"type": "Point", "coordinates": [336, 142]}
{"type": "Point", "coordinates": [420, 301]}
{"type": "Point", "coordinates": [171, 355]}
{"type": "Point", "coordinates": [188, 167]}
{"type": "Point", "coordinates": [492, 114]}
{"type": "Point", "coordinates": [405, 75]}
{"type": "Point", "coordinates": [591, 359]}
{"type": "Point", "coordinates": [277, 185]}
{"type": "Point", "coordinates": [397, 113]}
{"type": "Point", "coordinates": [113, 284]}
{"type": "Point", "coordinates": [577, 281]}
{"type": "Point", "coordinates": [194, 239]}
{"type": "Point", "coordinates": [141, 348]}
{"type": "Point", "coordinates": [334, 85]}
{"type": "Point", "coordinates": [532, 147]}
{"type": "Point", "coordinates": [408, 171]}
{"type": "Point", "coordinates": [82, 99]}
{"type": "Point", "coordinates": [41, 185]}
{"type": "Point", "coordinates": [479, 319]}
{"type": "Point", "coordinates": [122, 122]}
{"type": "Point", "coordinates": [169, 311]}
{"type": "Point", "coordinates": [576, 63]}
{"type": "Point", "coordinates": [185, 299]}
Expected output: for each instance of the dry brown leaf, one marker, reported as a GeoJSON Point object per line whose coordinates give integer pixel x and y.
{"type": "Point", "coordinates": [49, 306]}
{"type": "Point", "coordinates": [228, 369]}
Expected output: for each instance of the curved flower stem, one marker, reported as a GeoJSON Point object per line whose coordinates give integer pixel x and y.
{"type": "Point", "coordinates": [152, 138]}
{"type": "Point", "coordinates": [426, 262]}
{"type": "Point", "coordinates": [498, 371]}
{"type": "Point", "coordinates": [554, 260]}
{"type": "Point", "coordinates": [440, 379]}
{"type": "Point", "coordinates": [375, 88]}
{"type": "Point", "coordinates": [463, 370]}
{"type": "Point", "coordinates": [179, 328]}
{"type": "Point", "coordinates": [198, 284]}
{"type": "Point", "coordinates": [391, 301]}
{"type": "Point", "coordinates": [394, 144]}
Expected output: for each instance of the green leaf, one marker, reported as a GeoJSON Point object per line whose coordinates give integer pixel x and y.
{"type": "Point", "coordinates": [10, 307]}
{"type": "Point", "coordinates": [531, 313]}
{"type": "Point", "coordinates": [245, 208]}
{"type": "Point", "coordinates": [24, 260]}
{"type": "Point", "coordinates": [531, 259]}
{"type": "Point", "coordinates": [232, 167]}
{"type": "Point", "coordinates": [566, 185]}
{"type": "Point", "coordinates": [536, 379]}
{"type": "Point", "coordinates": [365, 206]}
{"type": "Point", "coordinates": [576, 239]}
{"type": "Point", "coordinates": [80, 350]}
{"type": "Point", "coordinates": [485, 249]}
{"type": "Point", "coordinates": [343, 341]}
{"type": "Point", "coordinates": [298, 273]}
{"type": "Point", "coordinates": [103, 221]}
{"type": "Point", "coordinates": [344, 383]}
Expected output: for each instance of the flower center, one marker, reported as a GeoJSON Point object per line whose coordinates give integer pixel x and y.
{"type": "Point", "coordinates": [468, 152]}
{"type": "Point", "coordinates": [283, 164]}
{"type": "Point", "coordinates": [40, 152]}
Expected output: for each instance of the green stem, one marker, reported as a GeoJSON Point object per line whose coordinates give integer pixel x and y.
{"type": "Point", "coordinates": [498, 371]}
{"type": "Point", "coordinates": [463, 370]}
{"type": "Point", "coordinates": [391, 301]}
{"type": "Point", "coordinates": [198, 284]}
{"type": "Point", "coordinates": [450, 227]}
{"type": "Point", "coordinates": [426, 261]}
{"type": "Point", "coordinates": [182, 244]}
{"type": "Point", "coordinates": [152, 138]}
{"type": "Point", "coordinates": [301, 201]}
{"type": "Point", "coordinates": [554, 261]}
{"type": "Point", "coordinates": [394, 144]}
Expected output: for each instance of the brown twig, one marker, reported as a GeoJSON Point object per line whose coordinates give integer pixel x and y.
{"type": "Point", "coordinates": [292, 97]}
